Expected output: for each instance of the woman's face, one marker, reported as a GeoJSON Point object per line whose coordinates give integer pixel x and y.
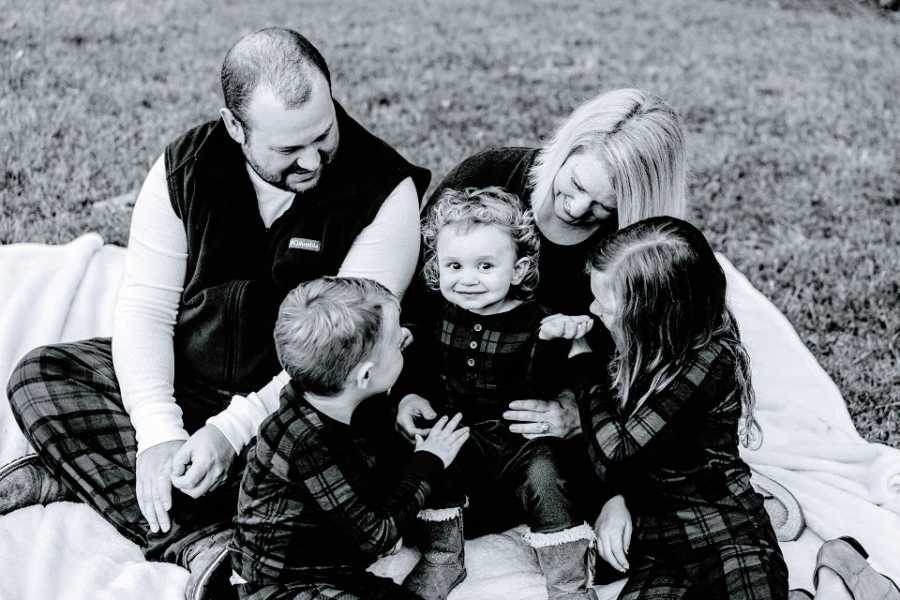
{"type": "Point", "coordinates": [582, 193]}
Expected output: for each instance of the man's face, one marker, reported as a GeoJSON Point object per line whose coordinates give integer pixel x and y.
{"type": "Point", "coordinates": [289, 148]}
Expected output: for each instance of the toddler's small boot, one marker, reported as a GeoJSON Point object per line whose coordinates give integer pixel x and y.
{"type": "Point", "coordinates": [567, 560]}
{"type": "Point", "coordinates": [439, 536]}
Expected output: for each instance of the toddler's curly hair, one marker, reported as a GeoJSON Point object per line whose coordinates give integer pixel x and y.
{"type": "Point", "coordinates": [474, 207]}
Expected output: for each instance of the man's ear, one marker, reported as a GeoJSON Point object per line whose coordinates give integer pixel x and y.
{"type": "Point", "coordinates": [364, 374]}
{"type": "Point", "coordinates": [233, 125]}
{"type": "Point", "coordinates": [520, 269]}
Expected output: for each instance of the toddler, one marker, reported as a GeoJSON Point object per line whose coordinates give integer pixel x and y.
{"type": "Point", "coordinates": [479, 350]}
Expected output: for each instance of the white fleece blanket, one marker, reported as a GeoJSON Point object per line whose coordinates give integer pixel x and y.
{"type": "Point", "coordinates": [48, 294]}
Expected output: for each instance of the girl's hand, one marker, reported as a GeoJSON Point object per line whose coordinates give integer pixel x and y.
{"type": "Point", "coordinates": [444, 440]}
{"type": "Point", "coordinates": [613, 529]}
{"type": "Point", "coordinates": [569, 327]}
{"type": "Point", "coordinates": [539, 418]}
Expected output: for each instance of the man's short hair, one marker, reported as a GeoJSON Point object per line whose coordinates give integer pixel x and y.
{"type": "Point", "coordinates": [281, 59]}
{"type": "Point", "coordinates": [328, 326]}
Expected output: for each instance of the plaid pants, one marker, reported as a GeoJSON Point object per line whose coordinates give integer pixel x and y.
{"type": "Point", "coordinates": [742, 569]}
{"type": "Point", "coordinates": [67, 402]}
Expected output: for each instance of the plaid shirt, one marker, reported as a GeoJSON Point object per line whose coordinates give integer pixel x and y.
{"type": "Point", "coordinates": [675, 458]}
{"type": "Point", "coordinates": [311, 506]}
{"type": "Point", "coordinates": [477, 364]}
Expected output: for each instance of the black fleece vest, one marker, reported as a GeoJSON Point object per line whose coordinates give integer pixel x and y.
{"type": "Point", "coordinates": [237, 270]}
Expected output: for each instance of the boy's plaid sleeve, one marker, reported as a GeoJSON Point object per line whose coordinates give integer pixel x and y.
{"type": "Point", "coordinates": [328, 478]}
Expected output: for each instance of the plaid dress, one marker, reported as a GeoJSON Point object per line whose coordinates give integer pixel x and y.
{"type": "Point", "coordinates": [315, 510]}
{"type": "Point", "coordinates": [699, 528]}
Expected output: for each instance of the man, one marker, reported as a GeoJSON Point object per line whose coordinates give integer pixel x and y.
{"type": "Point", "coordinates": [283, 188]}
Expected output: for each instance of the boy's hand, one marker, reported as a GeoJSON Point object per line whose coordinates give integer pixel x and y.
{"type": "Point", "coordinates": [444, 440]}
{"type": "Point", "coordinates": [613, 529]}
{"type": "Point", "coordinates": [411, 409]}
{"type": "Point", "coordinates": [569, 327]}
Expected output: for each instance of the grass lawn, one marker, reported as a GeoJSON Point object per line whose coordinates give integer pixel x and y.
{"type": "Point", "coordinates": [791, 110]}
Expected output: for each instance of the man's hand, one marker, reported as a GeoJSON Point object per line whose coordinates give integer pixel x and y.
{"type": "Point", "coordinates": [569, 327]}
{"type": "Point", "coordinates": [613, 529]}
{"type": "Point", "coordinates": [414, 407]}
{"type": "Point", "coordinates": [203, 462]}
{"type": "Point", "coordinates": [539, 418]}
{"type": "Point", "coordinates": [153, 488]}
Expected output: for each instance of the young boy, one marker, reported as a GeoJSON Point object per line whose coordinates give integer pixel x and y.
{"type": "Point", "coordinates": [312, 511]}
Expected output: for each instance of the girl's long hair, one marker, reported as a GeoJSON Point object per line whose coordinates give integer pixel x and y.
{"type": "Point", "coordinates": [671, 294]}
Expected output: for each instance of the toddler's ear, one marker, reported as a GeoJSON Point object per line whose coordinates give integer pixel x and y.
{"type": "Point", "coordinates": [520, 269]}
{"type": "Point", "coordinates": [364, 374]}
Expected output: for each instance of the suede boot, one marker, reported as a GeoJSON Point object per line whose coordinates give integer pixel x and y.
{"type": "Point", "coordinates": [26, 481]}
{"type": "Point", "coordinates": [205, 555]}
{"type": "Point", "coordinates": [439, 536]}
{"type": "Point", "coordinates": [567, 560]}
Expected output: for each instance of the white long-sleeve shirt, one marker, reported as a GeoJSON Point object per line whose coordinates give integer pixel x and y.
{"type": "Point", "coordinates": [147, 307]}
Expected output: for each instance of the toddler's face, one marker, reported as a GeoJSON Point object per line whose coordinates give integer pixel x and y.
{"type": "Point", "coordinates": [605, 304]}
{"type": "Point", "coordinates": [477, 267]}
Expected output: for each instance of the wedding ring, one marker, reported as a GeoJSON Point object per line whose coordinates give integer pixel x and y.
{"type": "Point", "coordinates": [545, 427]}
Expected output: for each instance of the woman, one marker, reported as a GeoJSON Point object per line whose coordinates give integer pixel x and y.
{"type": "Point", "coordinates": [617, 159]}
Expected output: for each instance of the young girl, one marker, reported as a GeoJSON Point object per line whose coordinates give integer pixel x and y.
{"type": "Point", "coordinates": [478, 351]}
{"type": "Point", "coordinates": [664, 431]}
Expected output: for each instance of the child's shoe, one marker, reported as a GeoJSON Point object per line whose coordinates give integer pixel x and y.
{"type": "Point", "coordinates": [442, 567]}
{"type": "Point", "coordinates": [567, 560]}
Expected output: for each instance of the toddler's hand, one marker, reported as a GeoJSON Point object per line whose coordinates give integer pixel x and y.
{"type": "Point", "coordinates": [444, 440]}
{"type": "Point", "coordinates": [411, 409]}
{"type": "Point", "coordinates": [568, 327]}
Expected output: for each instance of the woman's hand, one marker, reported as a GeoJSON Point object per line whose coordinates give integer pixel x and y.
{"type": "Point", "coordinates": [539, 418]}
{"type": "Point", "coordinates": [613, 529]}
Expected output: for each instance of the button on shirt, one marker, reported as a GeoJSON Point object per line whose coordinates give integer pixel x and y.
{"type": "Point", "coordinates": [484, 361]}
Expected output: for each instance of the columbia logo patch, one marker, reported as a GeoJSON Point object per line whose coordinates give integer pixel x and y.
{"type": "Point", "coordinates": [305, 244]}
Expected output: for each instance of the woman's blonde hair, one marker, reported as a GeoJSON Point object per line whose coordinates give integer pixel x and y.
{"type": "Point", "coordinates": [639, 139]}
{"type": "Point", "coordinates": [472, 207]}
{"type": "Point", "coordinates": [671, 305]}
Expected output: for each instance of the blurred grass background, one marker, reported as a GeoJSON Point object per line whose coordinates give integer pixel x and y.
{"type": "Point", "coordinates": [791, 109]}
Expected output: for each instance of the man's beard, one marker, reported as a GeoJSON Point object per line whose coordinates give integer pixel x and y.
{"type": "Point", "coordinates": [280, 180]}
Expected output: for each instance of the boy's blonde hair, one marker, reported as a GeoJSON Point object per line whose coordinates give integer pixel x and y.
{"type": "Point", "coordinates": [639, 139]}
{"type": "Point", "coordinates": [328, 326]}
{"type": "Point", "coordinates": [472, 207]}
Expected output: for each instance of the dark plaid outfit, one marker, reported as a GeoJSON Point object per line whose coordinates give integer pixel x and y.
{"type": "Point", "coordinates": [700, 530]}
{"type": "Point", "coordinates": [315, 510]}
{"type": "Point", "coordinates": [477, 364]}
{"type": "Point", "coordinates": [66, 397]}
